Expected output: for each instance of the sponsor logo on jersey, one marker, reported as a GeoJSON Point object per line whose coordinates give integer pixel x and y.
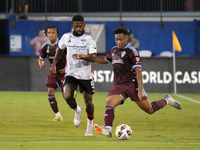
{"type": "Point", "coordinates": [117, 61]}
{"type": "Point", "coordinates": [51, 57]}
{"type": "Point", "coordinates": [83, 41]}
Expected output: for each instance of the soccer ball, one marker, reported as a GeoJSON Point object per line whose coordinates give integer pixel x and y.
{"type": "Point", "coordinates": [123, 132]}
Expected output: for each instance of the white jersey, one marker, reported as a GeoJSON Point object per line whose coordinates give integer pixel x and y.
{"type": "Point", "coordinates": [84, 44]}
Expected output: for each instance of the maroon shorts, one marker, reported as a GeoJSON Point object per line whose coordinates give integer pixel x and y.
{"type": "Point", "coordinates": [55, 80]}
{"type": "Point", "coordinates": [126, 90]}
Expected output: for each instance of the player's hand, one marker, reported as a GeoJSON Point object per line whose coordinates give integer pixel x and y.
{"type": "Point", "coordinates": [141, 96]}
{"type": "Point", "coordinates": [76, 56]}
{"type": "Point", "coordinates": [53, 69]}
{"type": "Point", "coordinates": [42, 66]}
{"type": "Point", "coordinates": [62, 71]}
{"type": "Point", "coordinates": [79, 56]}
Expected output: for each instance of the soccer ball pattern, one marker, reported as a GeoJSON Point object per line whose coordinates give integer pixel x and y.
{"type": "Point", "coordinates": [123, 132]}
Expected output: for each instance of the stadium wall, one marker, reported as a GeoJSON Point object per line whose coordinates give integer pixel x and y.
{"type": "Point", "coordinates": [20, 73]}
{"type": "Point", "coordinates": [151, 36]}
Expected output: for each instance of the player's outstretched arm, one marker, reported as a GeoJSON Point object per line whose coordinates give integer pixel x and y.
{"type": "Point", "coordinates": [98, 59]}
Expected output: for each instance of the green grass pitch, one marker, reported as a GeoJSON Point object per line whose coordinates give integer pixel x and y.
{"type": "Point", "coordinates": [25, 123]}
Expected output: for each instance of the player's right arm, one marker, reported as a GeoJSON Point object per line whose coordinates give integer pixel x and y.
{"type": "Point", "coordinates": [42, 56]}
{"type": "Point", "coordinates": [98, 59]}
{"type": "Point", "coordinates": [41, 63]}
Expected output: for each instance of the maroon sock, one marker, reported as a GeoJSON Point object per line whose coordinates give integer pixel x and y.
{"type": "Point", "coordinates": [158, 104]}
{"type": "Point", "coordinates": [90, 117]}
{"type": "Point", "coordinates": [109, 116]}
{"type": "Point", "coordinates": [53, 103]}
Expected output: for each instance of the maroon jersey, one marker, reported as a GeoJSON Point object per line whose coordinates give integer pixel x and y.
{"type": "Point", "coordinates": [49, 51]}
{"type": "Point", "coordinates": [124, 61]}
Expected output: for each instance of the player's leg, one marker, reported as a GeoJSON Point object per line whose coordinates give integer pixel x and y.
{"type": "Point", "coordinates": [68, 91]}
{"type": "Point", "coordinates": [145, 106]}
{"type": "Point", "coordinates": [111, 102]}
{"type": "Point", "coordinates": [53, 104]}
{"type": "Point", "coordinates": [90, 112]}
{"type": "Point", "coordinates": [157, 105]}
{"type": "Point", "coordinates": [87, 89]}
{"type": "Point", "coordinates": [52, 85]}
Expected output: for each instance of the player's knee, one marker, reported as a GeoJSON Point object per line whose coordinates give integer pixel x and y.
{"type": "Point", "coordinates": [67, 96]}
{"type": "Point", "coordinates": [51, 91]}
{"type": "Point", "coordinates": [149, 111]}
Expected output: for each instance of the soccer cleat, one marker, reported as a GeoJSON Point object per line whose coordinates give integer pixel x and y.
{"type": "Point", "coordinates": [88, 133]}
{"type": "Point", "coordinates": [58, 118]}
{"type": "Point", "coordinates": [77, 117]}
{"type": "Point", "coordinates": [173, 102]}
{"type": "Point", "coordinates": [103, 130]}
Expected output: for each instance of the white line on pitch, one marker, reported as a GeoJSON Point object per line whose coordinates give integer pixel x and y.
{"type": "Point", "coordinates": [168, 143]}
{"type": "Point", "coordinates": [187, 98]}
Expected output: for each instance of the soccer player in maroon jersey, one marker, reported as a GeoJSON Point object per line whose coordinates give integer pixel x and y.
{"type": "Point", "coordinates": [128, 81]}
{"type": "Point", "coordinates": [53, 80]}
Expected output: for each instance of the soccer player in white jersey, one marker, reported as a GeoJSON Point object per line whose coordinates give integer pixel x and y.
{"type": "Point", "coordinates": [78, 72]}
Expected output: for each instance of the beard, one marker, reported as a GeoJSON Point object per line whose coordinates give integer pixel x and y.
{"type": "Point", "coordinates": [75, 33]}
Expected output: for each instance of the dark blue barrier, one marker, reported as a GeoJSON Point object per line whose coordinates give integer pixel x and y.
{"type": "Point", "coordinates": [151, 36]}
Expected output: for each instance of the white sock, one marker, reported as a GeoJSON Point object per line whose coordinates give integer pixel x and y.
{"type": "Point", "coordinates": [109, 127]}
{"type": "Point", "coordinates": [89, 122]}
{"type": "Point", "coordinates": [58, 114]}
{"type": "Point", "coordinates": [89, 125]}
{"type": "Point", "coordinates": [77, 109]}
{"type": "Point", "coordinates": [167, 101]}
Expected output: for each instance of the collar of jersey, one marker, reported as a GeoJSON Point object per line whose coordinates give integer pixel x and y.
{"type": "Point", "coordinates": [57, 40]}
{"type": "Point", "coordinates": [125, 46]}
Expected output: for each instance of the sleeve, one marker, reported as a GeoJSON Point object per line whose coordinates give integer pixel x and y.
{"type": "Point", "coordinates": [92, 45]}
{"type": "Point", "coordinates": [43, 53]}
{"type": "Point", "coordinates": [109, 56]}
{"type": "Point", "coordinates": [135, 58]}
{"type": "Point", "coordinates": [62, 42]}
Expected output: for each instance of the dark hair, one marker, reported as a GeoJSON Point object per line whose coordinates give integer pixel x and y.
{"type": "Point", "coordinates": [130, 32]}
{"type": "Point", "coordinates": [52, 27]}
{"type": "Point", "coordinates": [120, 30]}
{"type": "Point", "coordinates": [78, 18]}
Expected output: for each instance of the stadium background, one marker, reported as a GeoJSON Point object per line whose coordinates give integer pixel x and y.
{"type": "Point", "coordinates": [152, 22]}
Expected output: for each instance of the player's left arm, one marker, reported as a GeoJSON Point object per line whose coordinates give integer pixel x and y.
{"type": "Point", "coordinates": [58, 55]}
